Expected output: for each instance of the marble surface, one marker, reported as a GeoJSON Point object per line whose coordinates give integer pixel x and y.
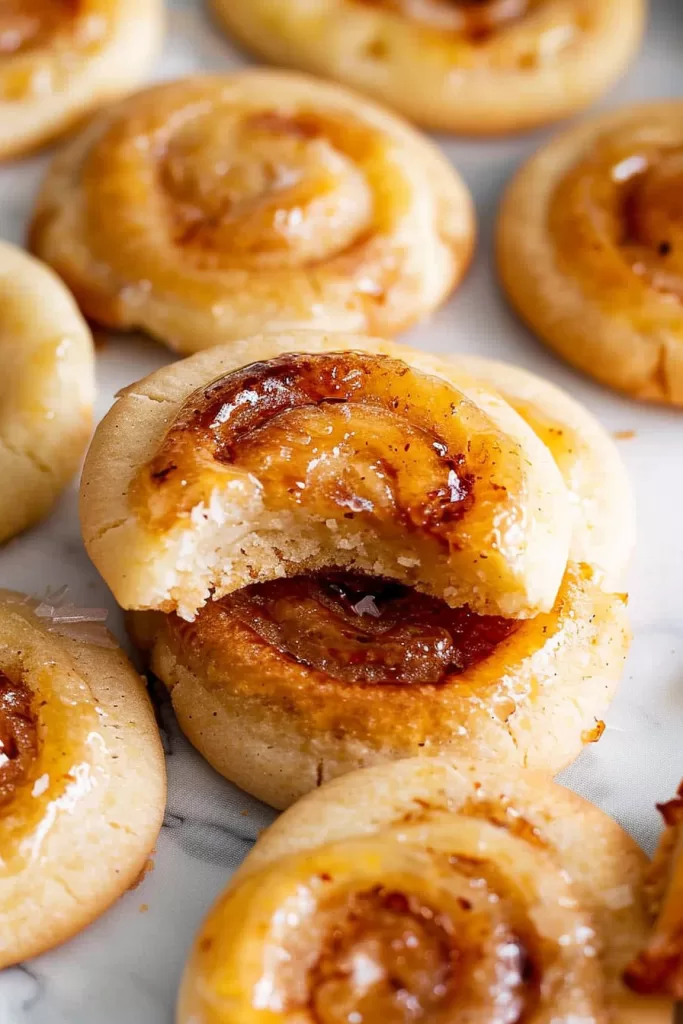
{"type": "Point", "coordinates": [125, 968]}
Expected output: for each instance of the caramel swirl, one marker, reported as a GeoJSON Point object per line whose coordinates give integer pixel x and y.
{"type": "Point", "coordinates": [18, 738]}
{"type": "Point", "coordinates": [216, 208]}
{"type": "Point", "coordinates": [409, 950]}
{"type": "Point", "coordinates": [342, 434]}
{"type": "Point", "coordinates": [442, 922]}
{"type": "Point", "coordinates": [280, 190]}
{"type": "Point", "coordinates": [363, 630]}
{"type": "Point", "coordinates": [620, 209]}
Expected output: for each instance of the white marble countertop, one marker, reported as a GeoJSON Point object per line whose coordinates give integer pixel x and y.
{"type": "Point", "coordinates": [125, 968]}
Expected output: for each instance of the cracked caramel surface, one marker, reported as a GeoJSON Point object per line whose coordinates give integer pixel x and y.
{"type": "Point", "coordinates": [18, 738]}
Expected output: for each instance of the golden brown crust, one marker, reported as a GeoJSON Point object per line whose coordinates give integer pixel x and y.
{"type": "Point", "coordinates": [658, 968]}
{"type": "Point", "coordinates": [335, 215]}
{"type": "Point", "coordinates": [59, 62]}
{"type": "Point", "coordinates": [561, 887]}
{"type": "Point", "coordinates": [48, 389]}
{"type": "Point", "coordinates": [81, 812]}
{"type": "Point", "coordinates": [279, 727]}
{"type": "Point", "coordinates": [590, 248]}
{"type": "Point", "coordinates": [479, 68]}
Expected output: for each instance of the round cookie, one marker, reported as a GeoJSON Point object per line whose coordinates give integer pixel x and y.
{"type": "Point", "coordinates": [47, 393]}
{"type": "Point", "coordinates": [468, 891]}
{"type": "Point", "coordinates": [286, 684]}
{"type": "Point", "coordinates": [60, 61]}
{"type": "Point", "coordinates": [481, 68]}
{"type": "Point", "coordinates": [213, 208]}
{"type": "Point", "coordinates": [590, 248]}
{"type": "Point", "coordinates": [292, 453]}
{"type": "Point", "coordinates": [82, 779]}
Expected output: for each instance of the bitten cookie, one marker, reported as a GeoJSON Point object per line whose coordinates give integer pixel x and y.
{"type": "Point", "coordinates": [293, 453]}
{"type": "Point", "coordinates": [481, 67]}
{"type": "Point", "coordinates": [467, 892]}
{"type": "Point", "coordinates": [82, 779]}
{"type": "Point", "coordinates": [60, 61]}
{"type": "Point", "coordinates": [47, 392]}
{"type": "Point", "coordinates": [214, 208]}
{"type": "Point", "coordinates": [287, 683]}
{"type": "Point", "coordinates": [590, 248]}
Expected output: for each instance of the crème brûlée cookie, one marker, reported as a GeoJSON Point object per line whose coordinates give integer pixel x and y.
{"type": "Point", "coordinates": [47, 389]}
{"type": "Point", "coordinates": [464, 891]}
{"type": "Point", "coordinates": [293, 453]}
{"type": "Point", "coordinates": [475, 66]}
{"type": "Point", "coordinates": [284, 684]}
{"type": "Point", "coordinates": [214, 208]}
{"type": "Point", "coordinates": [62, 59]}
{"type": "Point", "coordinates": [82, 779]}
{"type": "Point", "coordinates": [590, 248]}
{"type": "Point", "coordinates": [658, 968]}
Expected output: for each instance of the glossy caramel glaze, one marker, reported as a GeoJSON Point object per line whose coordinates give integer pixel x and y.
{"type": "Point", "coordinates": [617, 219]}
{"type": "Point", "coordinates": [28, 23]}
{"type": "Point", "coordinates": [302, 654]}
{"type": "Point", "coordinates": [357, 629]}
{"type": "Point", "coordinates": [290, 196]}
{"type": "Point", "coordinates": [214, 208]}
{"type": "Point", "coordinates": [18, 738]}
{"type": "Point", "coordinates": [590, 248]}
{"type": "Point", "coordinates": [341, 434]}
{"type": "Point", "coordinates": [46, 734]}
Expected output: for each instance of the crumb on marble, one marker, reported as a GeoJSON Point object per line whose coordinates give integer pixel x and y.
{"type": "Point", "coordinates": [624, 435]}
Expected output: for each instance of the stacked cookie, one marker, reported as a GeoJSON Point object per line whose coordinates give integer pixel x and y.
{"type": "Point", "coordinates": [339, 551]}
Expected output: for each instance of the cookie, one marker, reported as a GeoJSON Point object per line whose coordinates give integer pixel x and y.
{"type": "Point", "coordinates": [61, 61]}
{"type": "Point", "coordinates": [465, 891]}
{"type": "Point", "coordinates": [480, 67]}
{"type": "Point", "coordinates": [590, 250]}
{"type": "Point", "coordinates": [82, 779]}
{"type": "Point", "coordinates": [48, 389]}
{"type": "Point", "coordinates": [213, 208]}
